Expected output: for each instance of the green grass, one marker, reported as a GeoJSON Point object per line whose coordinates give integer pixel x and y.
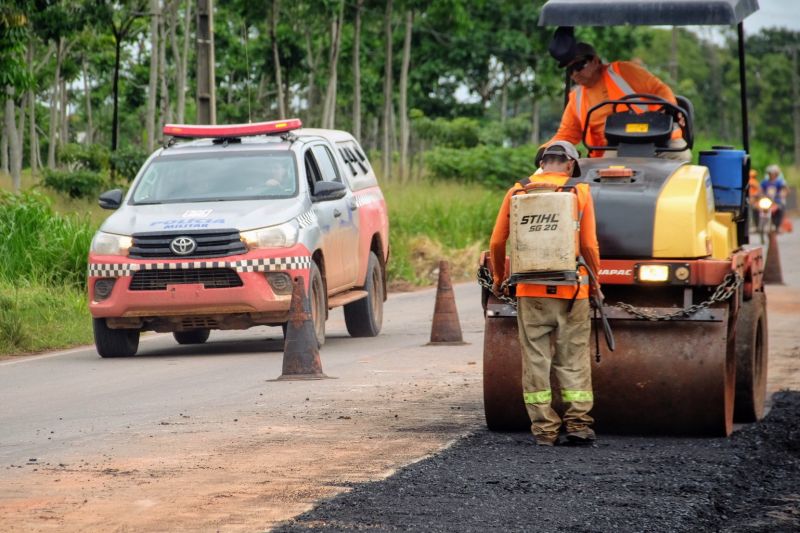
{"type": "Point", "coordinates": [35, 318]}
{"type": "Point", "coordinates": [41, 246]}
{"type": "Point", "coordinates": [433, 221]}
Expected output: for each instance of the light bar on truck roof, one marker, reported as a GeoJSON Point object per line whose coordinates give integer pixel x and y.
{"type": "Point", "coordinates": [190, 131]}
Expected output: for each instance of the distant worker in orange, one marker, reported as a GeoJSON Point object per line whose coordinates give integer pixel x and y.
{"type": "Point", "coordinates": [561, 310]}
{"type": "Point", "coordinates": [597, 82]}
{"type": "Point", "coordinates": [753, 194]}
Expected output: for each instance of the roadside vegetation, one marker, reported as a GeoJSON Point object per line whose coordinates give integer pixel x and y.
{"type": "Point", "coordinates": [42, 300]}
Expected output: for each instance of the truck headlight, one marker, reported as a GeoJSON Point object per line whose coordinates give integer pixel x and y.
{"type": "Point", "coordinates": [110, 244]}
{"type": "Point", "coordinates": [282, 236]}
{"type": "Point", "coordinates": [653, 273]}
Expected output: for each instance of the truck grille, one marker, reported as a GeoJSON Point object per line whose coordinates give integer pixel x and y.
{"type": "Point", "coordinates": [211, 278]}
{"type": "Point", "coordinates": [210, 243]}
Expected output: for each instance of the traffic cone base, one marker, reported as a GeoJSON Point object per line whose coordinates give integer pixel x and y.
{"type": "Point", "coordinates": [300, 349]}
{"type": "Point", "coordinates": [445, 328]}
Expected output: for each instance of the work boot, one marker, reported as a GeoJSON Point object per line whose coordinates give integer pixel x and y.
{"type": "Point", "coordinates": [544, 440]}
{"type": "Point", "coordinates": [581, 436]}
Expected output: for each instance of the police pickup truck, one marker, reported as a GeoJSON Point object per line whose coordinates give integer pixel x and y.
{"type": "Point", "coordinates": [218, 223]}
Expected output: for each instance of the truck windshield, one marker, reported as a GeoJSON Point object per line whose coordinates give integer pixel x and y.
{"type": "Point", "coordinates": [217, 177]}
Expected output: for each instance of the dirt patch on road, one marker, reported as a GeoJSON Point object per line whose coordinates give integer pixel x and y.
{"type": "Point", "coordinates": [252, 472]}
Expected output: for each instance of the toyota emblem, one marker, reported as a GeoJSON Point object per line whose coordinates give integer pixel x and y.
{"type": "Point", "coordinates": [183, 245]}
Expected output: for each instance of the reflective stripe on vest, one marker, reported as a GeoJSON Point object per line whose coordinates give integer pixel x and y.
{"type": "Point", "coordinates": [571, 396]}
{"type": "Point", "coordinates": [542, 396]}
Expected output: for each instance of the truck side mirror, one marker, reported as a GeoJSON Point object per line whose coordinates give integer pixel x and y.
{"type": "Point", "coordinates": [329, 190]}
{"type": "Point", "coordinates": [111, 199]}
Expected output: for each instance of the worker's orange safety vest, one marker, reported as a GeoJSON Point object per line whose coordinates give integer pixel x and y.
{"type": "Point", "coordinates": [617, 88]}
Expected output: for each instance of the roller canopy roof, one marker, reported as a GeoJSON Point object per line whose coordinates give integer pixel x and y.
{"type": "Point", "coordinates": [645, 12]}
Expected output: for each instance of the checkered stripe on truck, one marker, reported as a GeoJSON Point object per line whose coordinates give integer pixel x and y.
{"type": "Point", "coordinates": [267, 264]}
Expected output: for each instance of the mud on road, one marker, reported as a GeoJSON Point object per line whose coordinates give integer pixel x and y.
{"type": "Point", "coordinates": [495, 481]}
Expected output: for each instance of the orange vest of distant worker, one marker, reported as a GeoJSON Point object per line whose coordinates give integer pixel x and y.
{"type": "Point", "coordinates": [588, 241]}
{"type": "Point", "coordinates": [617, 88]}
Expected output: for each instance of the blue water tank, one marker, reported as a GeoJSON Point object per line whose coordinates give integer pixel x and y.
{"type": "Point", "coordinates": [726, 167]}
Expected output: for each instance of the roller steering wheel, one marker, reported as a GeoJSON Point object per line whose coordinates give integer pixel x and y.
{"type": "Point", "coordinates": [679, 115]}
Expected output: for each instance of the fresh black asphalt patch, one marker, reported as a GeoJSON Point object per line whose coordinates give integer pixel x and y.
{"type": "Point", "coordinates": [502, 482]}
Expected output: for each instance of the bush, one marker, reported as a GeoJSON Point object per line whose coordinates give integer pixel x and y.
{"type": "Point", "coordinates": [40, 246]}
{"type": "Point", "coordinates": [126, 162]}
{"type": "Point", "coordinates": [94, 157]}
{"type": "Point", "coordinates": [487, 165]}
{"type": "Point", "coordinates": [75, 183]}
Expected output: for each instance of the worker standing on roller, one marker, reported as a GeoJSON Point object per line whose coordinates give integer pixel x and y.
{"type": "Point", "coordinates": [597, 82]}
{"type": "Point", "coordinates": [560, 310]}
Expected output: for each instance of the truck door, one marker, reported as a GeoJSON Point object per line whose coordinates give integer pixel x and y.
{"type": "Point", "coordinates": [338, 222]}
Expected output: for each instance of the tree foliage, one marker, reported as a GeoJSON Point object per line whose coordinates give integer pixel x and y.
{"type": "Point", "coordinates": [479, 74]}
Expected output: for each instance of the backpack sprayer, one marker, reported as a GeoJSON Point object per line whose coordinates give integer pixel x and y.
{"type": "Point", "coordinates": [545, 244]}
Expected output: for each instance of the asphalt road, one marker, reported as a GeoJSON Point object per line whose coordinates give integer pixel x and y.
{"type": "Point", "coordinates": [75, 399]}
{"type": "Point", "coordinates": [201, 438]}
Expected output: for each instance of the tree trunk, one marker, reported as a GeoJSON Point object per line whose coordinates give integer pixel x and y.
{"type": "Point", "coordinates": [54, 99]}
{"type": "Point", "coordinates": [311, 59]}
{"type": "Point", "coordinates": [31, 102]}
{"type": "Point", "coordinates": [387, 94]}
{"type": "Point", "coordinates": [404, 126]}
{"type": "Point", "coordinates": [64, 109]}
{"type": "Point", "coordinates": [357, 72]}
{"type": "Point", "coordinates": [181, 58]}
{"type": "Point", "coordinates": [329, 110]}
{"type": "Point", "coordinates": [535, 121]}
{"type": "Point", "coordinates": [4, 146]}
{"type": "Point", "coordinates": [166, 113]}
{"type": "Point", "coordinates": [273, 26]}
{"type": "Point", "coordinates": [21, 130]}
{"type": "Point", "coordinates": [673, 58]}
{"type": "Point", "coordinates": [14, 147]}
{"type": "Point", "coordinates": [87, 93]}
{"type": "Point", "coordinates": [115, 92]}
{"type": "Point", "coordinates": [152, 86]}
{"type": "Point", "coordinates": [504, 98]}
{"type": "Point", "coordinates": [34, 138]}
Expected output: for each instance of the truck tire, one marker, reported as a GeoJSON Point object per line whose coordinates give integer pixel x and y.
{"type": "Point", "coordinates": [114, 342]}
{"type": "Point", "coordinates": [364, 317]}
{"type": "Point", "coordinates": [194, 336]}
{"type": "Point", "coordinates": [751, 360]}
{"type": "Point", "coordinates": [318, 299]}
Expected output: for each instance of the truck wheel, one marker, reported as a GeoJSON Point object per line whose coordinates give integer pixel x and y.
{"type": "Point", "coordinates": [364, 317]}
{"type": "Point", "coordinates": [114, 342]}
{"type": "Point", "coordinates": [194, 336]}
{"type": "Point", "coordinates": [751, 360]}
{"type": "Point", "coordinates": [318, 299]}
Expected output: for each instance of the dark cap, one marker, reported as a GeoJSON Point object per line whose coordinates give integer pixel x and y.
{"type": "Point", "coordinates": [562, 45]}
{"type": "Point", "coordinates": [568, 53]}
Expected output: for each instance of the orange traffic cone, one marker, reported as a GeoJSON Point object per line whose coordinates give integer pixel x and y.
{"type": "Point", "coordinates": [772, 269]}
{"type": "Point", "coordinates": [445, 328]}
{"type": "Point", "coordinates": [301, 349]}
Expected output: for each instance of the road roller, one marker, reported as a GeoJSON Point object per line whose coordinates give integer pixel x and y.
{"type": "Point", "coordinates": [683, 286]}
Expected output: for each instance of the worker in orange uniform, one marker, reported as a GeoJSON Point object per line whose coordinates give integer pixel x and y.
{"type": "Point", "coordinates": [597, 82]}
{"type": "Point", "coordinates": [753, 194]}
{"type": "Point", "coordinates": [561, 310]}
